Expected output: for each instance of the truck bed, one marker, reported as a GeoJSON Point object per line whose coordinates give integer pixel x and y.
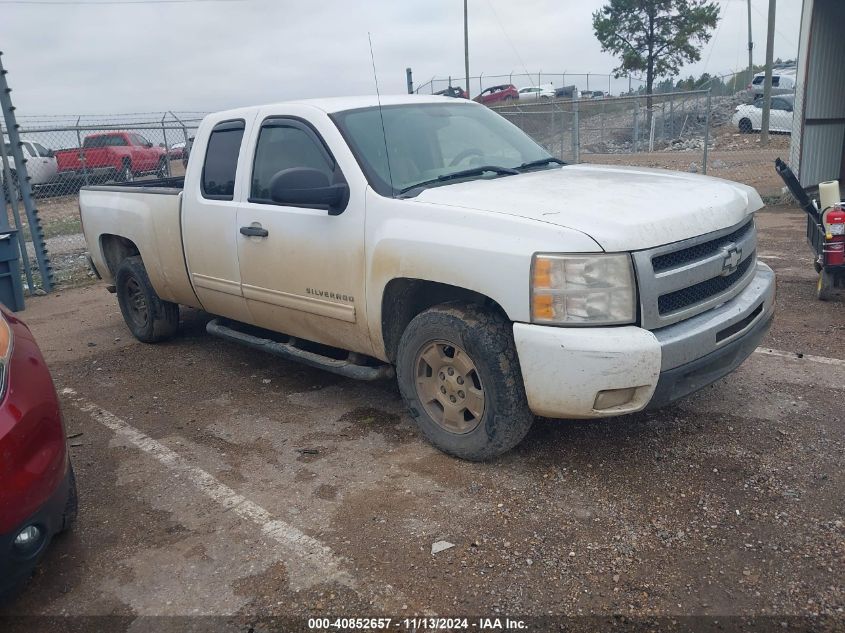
{"type": "Point", "coordinates": [147, 215]}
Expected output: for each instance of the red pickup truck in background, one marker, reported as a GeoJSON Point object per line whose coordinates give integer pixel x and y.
{"type": "Point", "coordinates": [112, 156]}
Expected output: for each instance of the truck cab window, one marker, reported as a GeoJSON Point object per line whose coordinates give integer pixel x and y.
{"type": "Point", "coordinates": [221, 160]}
{"type": "Point", "coordinates": [283, 145]}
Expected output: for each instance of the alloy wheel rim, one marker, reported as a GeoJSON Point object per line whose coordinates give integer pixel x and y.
{"type": "Point", "coordinates": [449, 387]}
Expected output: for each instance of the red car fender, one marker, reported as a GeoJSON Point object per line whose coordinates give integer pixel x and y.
{"type": "Point", "coordinates": [33, 450]}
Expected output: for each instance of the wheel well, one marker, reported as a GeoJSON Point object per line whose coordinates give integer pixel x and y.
{"type": "Point", "coordinates": [404, 299]}
{"type": "Point", "coordinates": [116, 249]}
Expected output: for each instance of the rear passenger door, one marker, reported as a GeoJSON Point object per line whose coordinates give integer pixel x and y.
{"type": "Point", "coordinates": [209, 216]}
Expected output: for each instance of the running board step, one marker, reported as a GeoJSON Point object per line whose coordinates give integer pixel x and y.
{"type": "Point", "coordinates": [344, 367]}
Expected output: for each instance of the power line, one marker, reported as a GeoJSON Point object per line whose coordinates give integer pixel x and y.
{"type": "Point", "coordinates": [507, 37]}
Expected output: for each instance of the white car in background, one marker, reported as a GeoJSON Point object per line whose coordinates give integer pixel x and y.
{"type": "Point", "coordinates": [40, 162]}
{"type": "Point", "coordinates": [749, 117]}
{"type": "Point", "coordinates": [546, 91]}
{"type": "Point", "coordinates": [783, 82]}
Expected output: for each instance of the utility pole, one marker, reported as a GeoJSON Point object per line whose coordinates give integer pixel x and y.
{"type": "Point", "coordinates": [767, 86]}
{"type": "Point", "coordinates": [750, 47]}
{"type": "Point", "coordinates": [466, 47]}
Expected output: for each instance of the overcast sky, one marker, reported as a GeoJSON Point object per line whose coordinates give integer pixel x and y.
{"type": "Point", "coordinates": [68, 58]}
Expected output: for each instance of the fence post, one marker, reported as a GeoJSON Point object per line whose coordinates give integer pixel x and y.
{"type": "Point", "coordinates": [184, 127]}
{"type": "Point", "coordinates": [35, 230]}
{"type": "Point", "coordinates": [706, 133]}
{"type": "Point", "coordinates": [576, 131]}
{"type": "Point", "coordinates": [651, 130]}
{"type": "Point", "coordinates": [16, 215]}
{"type": "Point", "coordinates": [561, 131]}
{"type": "Point", "coordinates": [81, 153]}
{"type": "Point", "coordinates": [409, 78]}
{"type": "Point", "coordinates": [672, 116]}
{"type": "Point", "coordinates": [601, 119]}
{"type": "Point", "coordinates": [166, 146]}
{"type": "Point", "coordinates": [636, 124]}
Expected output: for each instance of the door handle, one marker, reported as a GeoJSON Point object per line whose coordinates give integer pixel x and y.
{"type": "Point", "coordinates": [254, 231]}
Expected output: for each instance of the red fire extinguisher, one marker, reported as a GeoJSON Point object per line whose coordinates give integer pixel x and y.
{"type": "Point", "coordinates": [834, 239]}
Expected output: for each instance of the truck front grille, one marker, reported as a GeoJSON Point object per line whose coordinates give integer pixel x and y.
{"type": "Point", "coordinates": [699, 251]}
{"type": "Point", "coordinates": [685, 297]}
{"type": "Point", "coordinates": [678, 281]}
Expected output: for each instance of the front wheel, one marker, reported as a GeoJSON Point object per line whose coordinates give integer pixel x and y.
{"type": "Point", "coordinates": [745, 126]}
{"type": "Point", "coordinates": [161, 171]}
{"type": "Point", "coordinates": [150, 318]}
{"type": "Point", "coordinates": [459, 375]}
{"type": "Point", "coordinates": [125, 174]}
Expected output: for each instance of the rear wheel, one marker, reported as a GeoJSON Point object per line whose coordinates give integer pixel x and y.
{"type": "Point", "coordinates": [745, 126]}
{"type": "Point", "coordinates": [161, 172]}
{"type": "Point", "coordinates": [459, 374]}
{"type": "Point", "coordinates": [825, 285]}
{"type": "Point", "coordinates": [150, 318]}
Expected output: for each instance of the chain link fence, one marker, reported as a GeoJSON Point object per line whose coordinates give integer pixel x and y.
{"type": "Point", "coordinates": [65, 153]}
{"type": "Point", "coordinates": [685, 131]}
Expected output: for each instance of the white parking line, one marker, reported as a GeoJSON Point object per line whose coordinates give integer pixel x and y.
{"type": "Point", "coordinates": [793, 356]}
{"type": "Point", "coordinates": [316, 563]}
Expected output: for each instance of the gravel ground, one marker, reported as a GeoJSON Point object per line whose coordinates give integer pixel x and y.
{"type": "Point", "coordinates": [216, 481]}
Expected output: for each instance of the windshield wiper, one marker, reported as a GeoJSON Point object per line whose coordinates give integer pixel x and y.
{"type": "Point", "coordinates": [541, 162]}
{"type": "Point", "coordinates": [464, 173]}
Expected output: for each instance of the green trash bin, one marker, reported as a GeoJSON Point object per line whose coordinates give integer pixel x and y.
{"type": "Point", "coordinates": [11, 285]}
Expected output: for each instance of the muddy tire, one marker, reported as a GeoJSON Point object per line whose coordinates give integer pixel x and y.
{"type": "Point", "coordinates": [149, 318]}
{"type": "Point", "coordinates": [459, 375]}
{"type": "Point", "coordinates": [825, 286]}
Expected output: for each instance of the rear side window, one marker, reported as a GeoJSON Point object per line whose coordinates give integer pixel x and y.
{"type": "Point", "coordinates": [283, 144]}
{"type": "Point", "coordinates": [221, 160]}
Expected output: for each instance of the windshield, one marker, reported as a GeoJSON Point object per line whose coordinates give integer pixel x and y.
{"type": "Point", "coordinates": [428, 141]}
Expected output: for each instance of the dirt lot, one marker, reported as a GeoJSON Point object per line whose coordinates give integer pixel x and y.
{"type": "Point", "coordinates": [218, 481]}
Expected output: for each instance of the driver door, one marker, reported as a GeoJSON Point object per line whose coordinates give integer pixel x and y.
{"type": "Point", "coordinates": [302, 270]}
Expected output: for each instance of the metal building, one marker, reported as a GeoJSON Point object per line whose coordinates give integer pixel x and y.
{"type": "Point", "coordinates": [818, 140]}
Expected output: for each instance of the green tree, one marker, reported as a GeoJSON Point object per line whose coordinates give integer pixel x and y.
{"type": "Point", "coordinates": [655, 36]}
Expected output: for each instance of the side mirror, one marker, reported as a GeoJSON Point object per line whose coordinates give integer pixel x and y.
{"type": "Point", "coordinates": [148, 145]}
{"type": "Point", "coordinates": [305, 186]}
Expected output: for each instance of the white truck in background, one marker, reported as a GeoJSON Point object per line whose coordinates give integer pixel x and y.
{"type": "Point", "coordinates": [432, 236]}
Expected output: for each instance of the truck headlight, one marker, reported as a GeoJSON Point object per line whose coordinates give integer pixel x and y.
{"type": "Point", "coordinates": [583, 289]}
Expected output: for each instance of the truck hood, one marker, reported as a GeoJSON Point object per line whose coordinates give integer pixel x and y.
{"type": "Point", "coordinates": [621, 208]}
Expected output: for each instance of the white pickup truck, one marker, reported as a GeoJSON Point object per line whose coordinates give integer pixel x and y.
{"type": "Point", "coordinates": [432, 236]}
